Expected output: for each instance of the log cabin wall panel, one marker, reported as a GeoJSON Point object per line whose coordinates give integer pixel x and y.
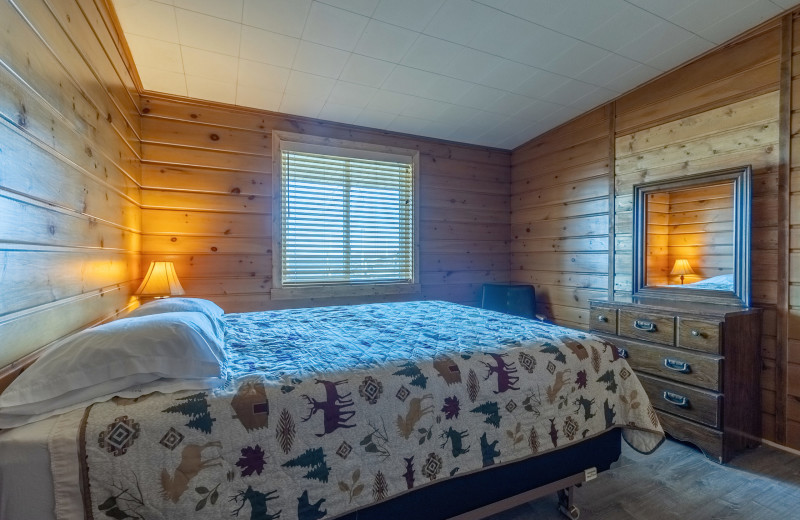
{"type": "Point", "coordinates": [560, 217]}
{"type": "Point", "coordinates": [717, 112]}
{"type": "Point", "coordinates": [793, 346]}
{"type": "Point", "coordinates": [207, 204]}
{"type": "Point", "coordinates": [70, 217]}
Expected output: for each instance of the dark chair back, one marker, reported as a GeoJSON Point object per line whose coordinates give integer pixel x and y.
{"type": "Point", "coordinates": [519, 300]}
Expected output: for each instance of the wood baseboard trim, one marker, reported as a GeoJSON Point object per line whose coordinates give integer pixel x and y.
{"type": "Point", "coordinates": [781, 447]}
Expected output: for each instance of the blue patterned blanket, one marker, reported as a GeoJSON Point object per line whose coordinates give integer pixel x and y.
{"type": "Point", "coordinates": [332, 409]}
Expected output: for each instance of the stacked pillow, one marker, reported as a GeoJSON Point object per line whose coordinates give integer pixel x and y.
{"type": "Point", "coordinates": [166, 345]}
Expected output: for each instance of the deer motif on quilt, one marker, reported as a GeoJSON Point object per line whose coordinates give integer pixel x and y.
{"type": "Point", "coordinates": [333, 407]}
{"type": "Point", "coordinates": [505, 381]}
{"type": "Point", "coordinates": [456, 440]}
{"type": "Point", "coordinates": [192, 463]}
{"type": "Point", "coordinates": [416, 411]}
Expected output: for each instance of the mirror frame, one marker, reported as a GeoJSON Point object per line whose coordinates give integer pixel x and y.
{"type": "Point", "coordinates": [742, 197]}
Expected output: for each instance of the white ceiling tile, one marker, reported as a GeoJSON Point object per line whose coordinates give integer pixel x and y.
{"type": "Point", "coordinates": [438, 129]}
{"type": "Point", "coordinates": [385, 41]}
{"type": "Point", "coordinates": [470, 64]}
{"type": "Point", "coordinates": [786, 4]}
{"type": "Point", "coordinates": [206, 32]}
{"type": "Point", "coordinates": [340, 113]}
{"type": "Point", "coordinates": [671, 57]}
{"type": "Point", "coordinates": [301, 105]}
{"type": "Point", "coordinates": [662, 8]}
{"type": "Point", "coordinates": [579, 16]}
{"type": "Point", "coordinates": [334, 27]}
{"type": "Point", "coordinates": [159, 80]}
{"type": "Point", "coordinates": [211, 65]}
{"type": "Point", "coordinates": [701, 14]}
{"type": "Point", "coordinates": [375, 118]}
{"type": "Point", "coordinates": [608, 69]}
{"type": "Point", "coordinates": [739, 21]}
{"type": "Point", "coordinates": [594, 98]}
{"type": "Point", "coordinates": [663, 36]}
{"type": "Point", "coordinates": [268, 77]}
{"type": "Point", "coordinates": [456, 116]}
{"type": "Point", "coordinates": [366, 71]}
{"type": "Point", "coordinates": [502, 34]}
{"type": "Point", "coordinates": [227, 10]}
{"type": "Point", "coordinates": [158, 54]}
{"type": "Point", "coordinates": [497, 4]}
{"type": "Point", "coordinates": [409, 81]}
{"type": "Point", "coordinates": [258, 97]}
{"type": "Point", "coordinates": [268, 47]}
{"type": "Point", "coordinates": [479, 97]}
{"type": "Point", "coordinates": [538, 110]}
{"type": "Point", "coordinates": [626, 25]}
{"type": "Point", "coordinates": [471, 130]}
{"type": "Point", "coordinates": [538, 46]}
{"type": "Point", "coordinates": [207, 88]}
{"type": "Point", "coordinates": [629, 79]}
{"type": "Point", "coordinates": [393, 102]}
{"type": "Point", "coordinates": [426, 109]}
{"type": "Point", "coordinates": [303, 84]}
{"type": "Point", "coordinates": [458, 20]}
{"type": "Point", "coordinates": [568, 92]}
{"type": "Point", "coordinates": [320, 60]}
{"type": "Point", "coordinates": [365, 7]}
{"type": "Point", "coordinates": [407, 125]}
{"type": "Point", "coordinates": [281, 16]}
{"type": "Point", "coordinates": [351, 94]}
{"type": "Point", "coordinates": [539, 11]}
{"type": "Point", "coordinates": [431, 54]}
{"type": "Point", "coordinates": [573, 61]}
{"type": "Point", "coordinates": [445, 88]}
{"type": "Point", "coordinates": [541, 83]}
{"type": "Point", "coordinates": [411, 14]}
{"type": "Point", "coordinates": [508, 104]}
{"type": "Point", "coordinates": [148, 18]}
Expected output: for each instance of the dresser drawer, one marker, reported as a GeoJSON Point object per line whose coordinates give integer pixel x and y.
{"type": "Point", "coordinates": [681, 400]}
{"type": "Point", "coordinates": [692, 368]}
{"type": "Point", "coordinates": [603, 319]}
{"type": "Point", "coordinates": [650, 326]}
{"type": "Point", "coordinates": [699, 335]}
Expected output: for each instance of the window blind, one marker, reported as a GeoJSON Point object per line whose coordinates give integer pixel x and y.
{"type": "Point", "coordinates": [345, 220]}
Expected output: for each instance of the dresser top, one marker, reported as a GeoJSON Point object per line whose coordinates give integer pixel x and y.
{"type": "Point", "coordinates": [677, 306]}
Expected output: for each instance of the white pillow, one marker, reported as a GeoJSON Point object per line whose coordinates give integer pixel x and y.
{"type": "Point", "coordinates": [116, 356]}
{"type": "Point", "coordinates": [210, 309]}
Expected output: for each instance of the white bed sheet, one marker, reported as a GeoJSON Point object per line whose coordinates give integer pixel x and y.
{"type": "Point", "coordinates": [26, 475]}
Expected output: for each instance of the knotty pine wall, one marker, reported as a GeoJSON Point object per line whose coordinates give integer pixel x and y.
{"type": "Point", "coordinates": [206, 204]}
{"type": "Point", "coordinates": [722, 110]}
{"type": "Point", "coordinates": [69, 172]}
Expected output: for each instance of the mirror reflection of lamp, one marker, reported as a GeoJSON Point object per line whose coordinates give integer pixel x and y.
{"type": "Point", "coordinates": [682, 267]}
{"type": "Point", "coordinates": [161, 281]}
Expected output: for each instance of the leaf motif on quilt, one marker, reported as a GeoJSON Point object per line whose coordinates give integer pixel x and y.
{"type": "Point", "coordinates": [308, 511]}
{"type": "Point", "coordinates": [258, 503]}
{"type": "Point", "coordinates": [285, 431]}
{"type": "Point", "coordinates": [581, 379]}
{"type": "Point", "coordinates": [473, 386]}
{"type": "Point", "coordinates": [252, 460]}
{"type": "Point", "coordinates": [651, 413]}
{"type": "Point", "coordinates": [533, 441]}
{"type": "Point", "coordinates": [377, 441]}
{"type": "Point", "coordinates": [354, 488]}
{"type": "Point", "coordinates": [251, 405]}
{"type": "Point", "coordinates": [208, 496]}
{"type": "Point", "coordinates": [515, 435]}
{"type": "Point", "coordinates": [418, 407]}
{"type": "Point", "coordinates": [126, 502]}
{"type": "Point", "coordinates": [596, 360]}
{"type": "Point", "coordinates": [451, 407]}
{"type": "Point", "coordinates": [380, 488]}
{"type": "Point", "coordinates": [119, 436]}
{"type": "Point", "coordinates": [314, 459]}
{"type": "Point", "coordinates": [174, 484]}
{"type": "Point", "coordinates": [488, 450]}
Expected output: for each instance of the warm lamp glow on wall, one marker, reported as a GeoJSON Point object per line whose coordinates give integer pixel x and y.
{"type": "Point", "coordinates": [161, 281]}
{"type": "Point", "coordinates": [682, 267]}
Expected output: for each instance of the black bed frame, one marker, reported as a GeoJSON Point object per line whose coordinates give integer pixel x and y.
{"type": "Point", "coordinates": [495, 489]}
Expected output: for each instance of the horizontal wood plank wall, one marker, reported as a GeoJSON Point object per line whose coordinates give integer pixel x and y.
{"type": "Point", "coordinates": [70, 217]}
{"type": "Point", "coordinates": [560, 217]}
{"type": "Point", "coordinates": [793, 347]}
{"type": "Point", "coordinates": [207, 181]}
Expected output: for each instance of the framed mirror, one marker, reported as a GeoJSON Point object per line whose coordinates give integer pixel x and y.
{"type": "Point", "coordinates": [691, 237]}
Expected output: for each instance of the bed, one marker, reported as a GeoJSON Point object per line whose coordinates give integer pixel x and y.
{"type": "Point", "coordinates": [367, 411]}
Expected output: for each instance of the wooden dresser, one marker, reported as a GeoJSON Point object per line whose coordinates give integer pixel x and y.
{"type": "Point", "coordinates": [699, 363]}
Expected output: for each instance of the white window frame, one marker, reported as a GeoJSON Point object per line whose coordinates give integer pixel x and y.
{"type": "Point", "coordinates": [302, 142]}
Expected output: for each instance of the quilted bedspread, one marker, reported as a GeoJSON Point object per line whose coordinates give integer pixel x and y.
{"type": "Point", "coordinates": [332, 409]}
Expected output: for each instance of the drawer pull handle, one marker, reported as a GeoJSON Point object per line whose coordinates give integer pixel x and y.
{"type": "Point", "coordinates": [602, 318]}
{"type": "Point", "coordinates": [647, 326]}
{"type": "Point", "coordinates": [695, 333]}
{"type": "Point", "coordinates": [676, 399]}
{"type": "Point", "coordinates": [678, 366]}
{"type": "Point", "coordinates": [623, 353]}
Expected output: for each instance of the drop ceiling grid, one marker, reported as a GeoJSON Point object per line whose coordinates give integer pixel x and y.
{"type": "Point", "coordinates": [488, 72]}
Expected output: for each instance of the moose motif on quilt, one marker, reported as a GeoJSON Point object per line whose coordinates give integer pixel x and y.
{"type": "Point", "coordinates": [324, 443]}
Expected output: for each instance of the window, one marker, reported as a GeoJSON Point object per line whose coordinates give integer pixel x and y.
{"type": "Point", "coordinates": [346, 219]}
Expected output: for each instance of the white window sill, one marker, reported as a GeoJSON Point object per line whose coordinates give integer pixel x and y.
{"type": "Point", "coordinates": [334, 291]}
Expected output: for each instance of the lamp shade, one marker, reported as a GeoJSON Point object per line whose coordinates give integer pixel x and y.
{"type": "Point", "coordinates": [160, 280]}
{"type": "Point", "coordinates": [682, 267]}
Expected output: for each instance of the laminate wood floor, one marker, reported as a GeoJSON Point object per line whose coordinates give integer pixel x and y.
{"type": "Point", "coordinates": [678, 483]}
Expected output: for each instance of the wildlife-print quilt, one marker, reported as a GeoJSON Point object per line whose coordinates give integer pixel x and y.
{"type": "Point", "coordinates": [333, 409]}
